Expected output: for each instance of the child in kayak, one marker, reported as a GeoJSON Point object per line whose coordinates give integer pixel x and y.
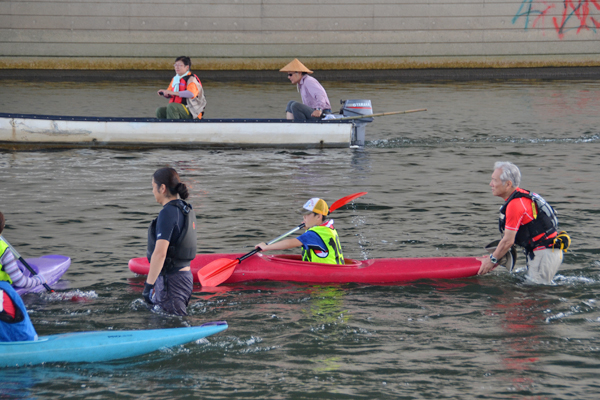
{"type": "Point", "coordinates": [15, 325]}
{"type": "Point", "coordinates": [320, 243]}
{"type": "Point", "coordinates": [9, 270]}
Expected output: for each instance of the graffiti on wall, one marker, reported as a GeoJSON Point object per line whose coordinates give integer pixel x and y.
{"type": "Point", "coordinates": [563, 16]}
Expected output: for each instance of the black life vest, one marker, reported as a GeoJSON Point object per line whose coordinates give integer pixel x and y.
{"type": "Point", "coordinates": [545, 222]}
{"type": "Point", "coordinates": [183, 251]}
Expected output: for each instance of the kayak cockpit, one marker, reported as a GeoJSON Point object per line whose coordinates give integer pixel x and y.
{"type": "Point", "coordinates": [297, 259]}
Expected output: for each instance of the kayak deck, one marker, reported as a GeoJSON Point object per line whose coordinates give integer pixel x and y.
{"type": "Point", "coordinates": [52, 267]}
{"type": "Point", "coordinates": [292, 268]}
{"type": "Point", "coordinates": [100, 345]}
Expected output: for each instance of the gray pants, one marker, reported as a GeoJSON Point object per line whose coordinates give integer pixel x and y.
{"type": "Point", "coordinates": [172, 292]}
{"type": "Point", "coordinates": [301, 112]}
{"type": "Point", "coordinates": [544, 265]}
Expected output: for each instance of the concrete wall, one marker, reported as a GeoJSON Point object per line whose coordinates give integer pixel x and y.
{"type": "Point", "coordinates": [328, 34]}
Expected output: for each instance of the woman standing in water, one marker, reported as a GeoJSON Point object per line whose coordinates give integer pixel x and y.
{"type": "Point", "coordinates": [171, 245]}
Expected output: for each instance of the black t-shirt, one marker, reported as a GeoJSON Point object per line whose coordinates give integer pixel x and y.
{"type": "Point", "coordinates": [170, 222]}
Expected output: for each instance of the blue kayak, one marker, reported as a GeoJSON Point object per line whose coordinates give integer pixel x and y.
{"type": "Point", "coordinates": [100, 345]}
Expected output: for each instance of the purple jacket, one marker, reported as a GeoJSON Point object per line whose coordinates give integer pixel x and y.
{"type": "Point", "coordinates": [313, 94]}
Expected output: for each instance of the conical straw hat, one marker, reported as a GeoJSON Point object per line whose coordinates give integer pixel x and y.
{"type": "Point", "coordinates": [295, 66]}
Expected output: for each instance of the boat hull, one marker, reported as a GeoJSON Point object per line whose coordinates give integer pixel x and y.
{"type": "Point", "coordinates": [292, 268]}
{"type": "Point", "coordinates": [100, 345]}
{"type": "Point", "coordinates": [24, 131]}
{"type": "Point", "coordinates": [52, 267]}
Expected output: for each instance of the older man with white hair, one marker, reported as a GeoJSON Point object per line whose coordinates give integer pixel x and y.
{"type": "Point", "coordinates": [527, 220]}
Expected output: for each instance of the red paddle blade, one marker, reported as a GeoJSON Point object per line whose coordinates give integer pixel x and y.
{"type": "Point", "coordinates": [217, 272]}
{"type": "Point", "coordinates": [345, 200]}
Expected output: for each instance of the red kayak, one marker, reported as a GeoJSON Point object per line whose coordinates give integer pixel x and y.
{"type": "Point", "coordinates": [261, 267]}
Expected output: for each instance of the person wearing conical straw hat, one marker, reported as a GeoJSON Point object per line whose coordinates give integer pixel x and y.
{"type": "Point", "coordinates": [315, 102]}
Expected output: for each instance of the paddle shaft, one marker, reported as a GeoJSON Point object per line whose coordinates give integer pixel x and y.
{"type": "Point", "coordinates": [230, 264]}
{"type": "Point", "coordinates": [16, 253]}
{"type": "Point", "coordinates": [380, 114]}
{"type": "Point", "coordinates": [277, 239]}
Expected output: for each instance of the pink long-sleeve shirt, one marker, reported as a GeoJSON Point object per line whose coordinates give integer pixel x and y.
{"type": "Point", "coordinates": [313, 94]}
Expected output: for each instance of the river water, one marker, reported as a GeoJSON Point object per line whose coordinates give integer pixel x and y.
{"type": "Point", "coordinates": [427, 174]}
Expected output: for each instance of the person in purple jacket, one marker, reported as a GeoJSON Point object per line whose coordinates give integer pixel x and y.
{"type": "Point", "coordinates": [15, 324]}
{"type": "Point", "coordinates": [315, 102]}
{"type": "Point", "coordinates": [9, 269]}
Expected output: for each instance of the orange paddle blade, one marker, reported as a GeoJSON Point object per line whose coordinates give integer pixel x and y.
{"type": "Point", "coordinates": [217, 272]}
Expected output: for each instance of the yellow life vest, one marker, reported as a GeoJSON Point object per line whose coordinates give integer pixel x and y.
{"type": "Point", "coordinates": [334, 249]}
{"type": "Point", "coordinates": [3, 275]}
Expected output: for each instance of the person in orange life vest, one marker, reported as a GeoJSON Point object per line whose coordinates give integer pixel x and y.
{"type": "Point", "coordinates": [524, 223]}
{"type": "Point", "coordinates": [185, 94]}
{"type": "Point", "coordinates": [320, 243]}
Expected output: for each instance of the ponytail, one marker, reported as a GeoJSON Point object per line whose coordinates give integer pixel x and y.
{"type": "Point", "coordinates": [182, 190]}
{"type": "Point", "coordinates": [170, 178]}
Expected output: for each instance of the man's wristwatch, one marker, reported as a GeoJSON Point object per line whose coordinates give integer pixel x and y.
{"type": "Point", "coordinates": [493, 259]}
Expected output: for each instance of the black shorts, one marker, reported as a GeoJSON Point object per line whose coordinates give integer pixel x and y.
{"type": "Point", "coordinates": [173, 292]}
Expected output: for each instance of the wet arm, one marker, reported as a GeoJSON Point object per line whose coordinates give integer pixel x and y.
{"type": "Point", "coordinates": [157, 260]}
{"type": "Point", "coordinates": [503, 247]}
{"type": "Point", "coordinates": [9, 264]}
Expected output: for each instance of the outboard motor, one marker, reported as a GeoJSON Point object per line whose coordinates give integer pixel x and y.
{"type": "Point", "coordinates": [356, 108]}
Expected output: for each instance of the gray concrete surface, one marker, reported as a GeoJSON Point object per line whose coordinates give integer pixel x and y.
{"type": "Point", "coordinates": [331, 34]}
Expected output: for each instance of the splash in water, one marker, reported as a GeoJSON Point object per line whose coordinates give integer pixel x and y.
{"type": "Point", "coordinates": [73, 295]}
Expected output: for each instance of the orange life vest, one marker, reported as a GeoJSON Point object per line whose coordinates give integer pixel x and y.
{"type": "Point", "coordinates": [182, 87]}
